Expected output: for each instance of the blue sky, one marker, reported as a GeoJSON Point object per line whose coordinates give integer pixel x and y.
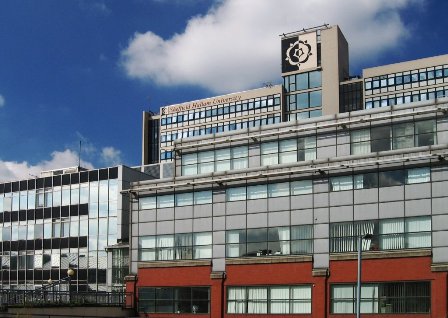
{"type": "Point", "coordinates": [86, 69]}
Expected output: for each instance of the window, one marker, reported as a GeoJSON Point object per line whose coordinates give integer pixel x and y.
{"type": "Point", "coordinates": [384, 298]}
{"type": "Point", "coordinates": [215, 160]}
{"type": "Point", "coordinates": [194, 300]}
{"type": "Point", "coordinates": [178, 246]}
{"type": "Point", "coordinates": [341, 183]}
{"type": "Point", "coordinates": [387, 234]}
{"type": "Point", "coordinates": [269, 241]}
{"type": "Point", "coordinates": [179, 199]}
{"type": "Point", "coordinates": [396, 136]}
{"type": "Point", "coordinates": [269, 300]}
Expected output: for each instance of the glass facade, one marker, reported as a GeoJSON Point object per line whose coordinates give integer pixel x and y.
{"type": "Point", "coordinates": [393, 136]}
{"type": "Point", "coordinates": [248, 113]}
{"type": "Point", "coordinates": [50, 224]}
{"type": "Point", "coordinates": [406, 87]}
{"type": "Point", "coordinates": [303, 95]}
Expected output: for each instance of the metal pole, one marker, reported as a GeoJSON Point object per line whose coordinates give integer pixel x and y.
{"type": "Point", "coordinates": [358, 285]}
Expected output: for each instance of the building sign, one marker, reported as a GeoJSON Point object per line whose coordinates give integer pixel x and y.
{"type": "Point", "coordinates": [199, 104]}
{"type": "Point", "coordinates": [299, 53]}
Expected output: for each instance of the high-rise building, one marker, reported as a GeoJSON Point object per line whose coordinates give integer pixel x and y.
{"type": "Point", "coordinates": [267, 219]}
{"type": "Point", "coordinates": [66, 219]}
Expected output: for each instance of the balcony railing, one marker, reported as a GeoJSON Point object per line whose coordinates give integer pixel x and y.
{"type": "Point", "coordinates": [46, 298]}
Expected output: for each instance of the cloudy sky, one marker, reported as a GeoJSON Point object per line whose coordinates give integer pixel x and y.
{"type": "Point", "coordinates": [84, 70]}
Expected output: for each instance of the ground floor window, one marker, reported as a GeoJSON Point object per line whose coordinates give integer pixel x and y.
{"type": "Point", "coordinates": [383, 298]}
{"type": "Point", "coordinates": [269, 300]}
{"type": "Point", "coordinates": [195, 300]}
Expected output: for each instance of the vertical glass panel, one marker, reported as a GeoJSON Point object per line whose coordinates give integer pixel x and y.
{"type": "Point", "coordinates": [403, 135]}
{"type": "Point", "coordinates": [391, 234]}
{"type": "Point", "coordinates": [316, 99]}
{"type": "Point", "coordinates": [302, 81]}
{"type": "Point", "coordinates": [342, 299]}
{"type": "Point", "coordinates": [113, 190]}
{"type": "Point", "coordinates": [93, 193]}
{"type": "Point", "coordinates": [84, 193]}
{"type": "Point", "coordinates": [302, 100]}
{"type": "Point", "coordinates": [425, 133]}
{"type": "Point", "coordinates": [257, 300]}
{"type": "Point", "coordinates": [301, 299]}
{"type": "Point", "coordinates": [279, 300]}
{"type": "Point", "coordinates": [83, 227]}
{"type": "Point", "coordinates": [57, 196]}
{"type": "Point", "coordinates": [65, 195]}
{"type": "Point", "coordinates": [236, 300]}
{"type": "Point", "coordinates": [103, 191]}
{"type": "Point", "coordinates": [31, 200]}
{"type": "Point", "coordinates": [74, 192]}
{"type": "Point", "coordinates": [315, 79]}
{"type": "Point", "coordinates": [360, 141]}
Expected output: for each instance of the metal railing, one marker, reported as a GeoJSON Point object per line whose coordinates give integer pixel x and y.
{"type": "Point", "coordinates": [44, 298]}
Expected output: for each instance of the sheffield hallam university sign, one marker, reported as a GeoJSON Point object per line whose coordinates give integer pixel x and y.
{"type": "Point", "coordinates": [299, 52]}
{"type": "Point", "coordinates": [199, 104]}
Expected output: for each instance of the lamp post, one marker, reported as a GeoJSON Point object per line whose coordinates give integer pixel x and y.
{"type": "Point", "coordinates": [70, 273]}
{"type": "Point", "coordinates": [50, 283]}
{"type": "Point", "coordinates": [358, 285]}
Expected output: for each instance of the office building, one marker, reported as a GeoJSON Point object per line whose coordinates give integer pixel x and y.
{"type": "Point", "coordinates": [66, 219]}
{"type": "Point", "coordinates": [315, 81]}
{"type": "Point", "coordinates": [265, 219]}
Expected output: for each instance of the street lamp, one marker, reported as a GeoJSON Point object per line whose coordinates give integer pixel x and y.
{"type": "Point", "coordinates": [358, 285]}
{"type": "Point", "coordinates": [50, 283]}
{"type": "Point", "coordinates": [70, 273]}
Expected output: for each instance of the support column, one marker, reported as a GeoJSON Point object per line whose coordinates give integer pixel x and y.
{"type": "Point", "coordinates": [217, 290]}
{"type": "Point", "coordinates": [320, 297]}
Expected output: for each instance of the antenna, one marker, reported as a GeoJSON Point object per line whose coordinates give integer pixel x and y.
{"type": "Point", "coordinates": [79, 154]}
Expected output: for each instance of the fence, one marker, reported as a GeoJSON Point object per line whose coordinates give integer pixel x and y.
{"type": "Point", "coordinates": [43, 298]}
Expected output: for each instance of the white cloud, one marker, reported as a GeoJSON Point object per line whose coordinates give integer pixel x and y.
{"type": "Point", "coordinates": [13, 170]}
{"type": "Point", "coordinates": [2, 101]}
{"type": "Point", "coordinates": [236, 45]}
{"type": "Point", "coordinates": [111, 156]}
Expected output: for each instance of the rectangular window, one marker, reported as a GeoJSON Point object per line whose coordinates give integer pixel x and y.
{"type": "Point", "coordinates": [147, 203]}
{"type": "Point", "coordinates": [301, 187]}
{"type": "Point", "coordinates": [341, 183]}
{"type": "Point", "coordinates": [257, 192]}
{"type": "Point", "coordinates": [269, 300]}
{"type": "Point", "coordinates": [382, 298]}
{"type": "Point", "coordinates": [360, 141]}
{"type": "Point", "coordinates": [269, 153]}
{"type": "Point", "coordinates": [176, 300]}
{"type": "Point", "coordinates": [165, 201]}
{"type": "Point", "coordinates": [387, 234]}
{"type": "Point", "coordinates": [236, 194]}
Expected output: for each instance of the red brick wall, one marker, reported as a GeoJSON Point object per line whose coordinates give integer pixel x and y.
{"type": "Point", "coordinates": [374, 270]}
